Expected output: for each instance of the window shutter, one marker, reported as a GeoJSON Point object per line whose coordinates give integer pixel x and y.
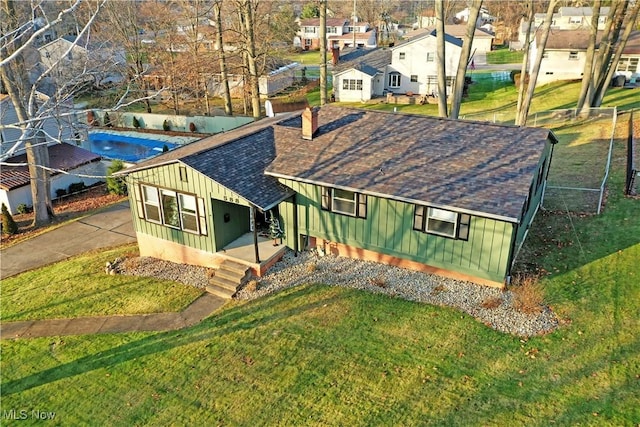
{"type": "Point", "coordinates": [326, 198]}
{"type": "Point", "coordinates": [202, 217]}
{"type": "Point", "coordinates": [418, 218]}
{"type": "Point", "coordinates": [362, 206]}
{"type": "Point", "coordinates": [138, 197]}
{"type": "Point", "coordinates": [463, 227]}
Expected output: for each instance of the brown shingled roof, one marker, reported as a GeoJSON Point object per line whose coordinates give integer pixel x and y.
{"type": "Point", "coordinates": [62, 156]}
{"type": "Point", "coordinates": [469, 166]}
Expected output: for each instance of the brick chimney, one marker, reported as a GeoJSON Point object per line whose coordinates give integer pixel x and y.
{"type": "Point", "coordinates": [335, 55]}
{"type": "Point", "coordinates": [309, 122]}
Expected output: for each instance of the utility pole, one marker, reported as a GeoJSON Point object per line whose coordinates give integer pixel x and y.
{"type": "Point", "coordinates": [323, 52]}
{"type": "Point", "coordinates": [354, 18]}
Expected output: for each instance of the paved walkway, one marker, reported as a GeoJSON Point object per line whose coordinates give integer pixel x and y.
{"type": "Point", "coordinates": [195, 313]}
{"type": "Point", "coordinates": [107, 228]}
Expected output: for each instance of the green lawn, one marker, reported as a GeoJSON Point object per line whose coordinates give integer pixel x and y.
{"type": "Point", "coordinates": [505, 56]}
{"type": "Point", "coordinates": [319, 355]}
{"type": "Point", "coordinates": [80, 287]}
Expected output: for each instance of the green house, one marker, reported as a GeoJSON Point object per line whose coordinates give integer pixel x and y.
{"type": "Point", "coordinates": [444, 196]}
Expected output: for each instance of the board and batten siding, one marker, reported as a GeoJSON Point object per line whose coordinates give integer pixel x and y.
{"type": "Point", "coordinates": [388, 229]}
{"type": "Point", "coordinates": [168, 176]}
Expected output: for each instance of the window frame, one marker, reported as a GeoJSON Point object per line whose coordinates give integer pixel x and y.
{"type": "Point", "coordinates": [402, 55]}
{"type": "Point", "coordinates": [187, 207]}
{"type": "Point", "coordinates": [352, 84]}
{"type": "Point", "coordinates": [573, 55]}
{"type": "Point", "coordinates": [359, 201]}
{"type": "Point", "coordinates": [395, 79]}
{"type": "Point", "coordinates": [431, 57]}
{"type": "Point", "coordinates": [424, 216]}
{"type": "Point", "coordinates": [414, 78]}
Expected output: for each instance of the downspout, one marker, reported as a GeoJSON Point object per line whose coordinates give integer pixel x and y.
{"type": "Point", "coordinates": [255, 233]}
{"type": "Point", "coordinates": [296, 236]}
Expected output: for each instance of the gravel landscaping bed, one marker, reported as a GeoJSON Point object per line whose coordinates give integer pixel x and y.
{"type": "Point", "coordinates": [492, 306]}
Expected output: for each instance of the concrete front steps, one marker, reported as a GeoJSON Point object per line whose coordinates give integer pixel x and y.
{"type": "Point", "coordinates": [228, 278]}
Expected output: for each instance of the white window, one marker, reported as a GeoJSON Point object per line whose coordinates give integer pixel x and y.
{"type": "Point", "coordinates": [394, 79]}
{"type": "Point", "coordinates": [575, 20]}
{"type": "Point", "coordinates": [441, 222]}
{"type": "Point", "coordinates": [170, 211]}
{"type": "Point", "coordinates": [332, 30]}
{"type": "Point", "coordinates": [402, 55]}
{"type": "Point", "coordinates": [311, 30]}
{"type": "Point", "coordinates": [414, 78]}
{"type": "Point", "coordinates": [352, 84]}
{"type": "Point", "coordinates": [151, 203]}
{"type": "Point", "coordinates": [344, 202]}
{"type": "Point", "coordinates": [188, 213]}
{"type": "Point", "coordinates": [173, 209]}
{"type": "Point", "coordinates": [431, 57]}
{"type": "Point", "coordinates": [628, 65]}
{"type": "Point", "coordinates": [573, 55]}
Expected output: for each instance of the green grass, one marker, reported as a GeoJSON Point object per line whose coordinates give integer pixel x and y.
{"type": "Point", "coordinates": [309, 57]}
{"type": "Point", "coordinates": [505, 56]}
{"type": "Point", "coordinates": [80, 287]}
{"type": "Point", "coordinates": [319, 355]}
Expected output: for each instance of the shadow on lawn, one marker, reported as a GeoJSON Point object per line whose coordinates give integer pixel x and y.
{"type": "Point", "coordinates": [230, 321]}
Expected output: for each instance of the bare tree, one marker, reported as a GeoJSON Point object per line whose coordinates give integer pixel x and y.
{"type": "Point", "coordinates": [441, 60]}
{"type": "Point", "coordinates": [224, 80]}
{"type": "Point", "coordinates": [247, 17]}
{"type": "Point", "coordinates": [605, 80]}
{"type": "Point", "coordinates": [22, 26]}
{"type": "Point", "coordinates": [587, 73]}
{"type": "Point", "coordinates": [465, 54]}
{"type": "Point", "coordinates": [323, 52]}
{"type": "Point", "coordinates": [524, 70]}
{"type": "Point", "coordinates": [523, 111]}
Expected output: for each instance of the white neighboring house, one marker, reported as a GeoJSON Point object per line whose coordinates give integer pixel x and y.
{"type": "Point", "coordinates": [96, 64]}
{"type": "Point", "coordinates": [360, 74]}
{"type": "Point", "coordinates": [340, 33]}
{"type": "Point", "coordinates": [414, 67]}
{"type": "Point", "coordinates": [484, 17]}
{"type": "Point", "coordinates": [566, 18]}
{"type": "Point", "coordinates": [409, 67]}
{"type": "Point", "coordinates": [14, 180]}
{"type": "Point", "coordinates": [565, 55]}
{"type": "Point", "coordinates": [482, 39]}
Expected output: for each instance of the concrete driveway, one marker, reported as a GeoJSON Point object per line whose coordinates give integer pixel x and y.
{"type": "Point", "coordinates": [109, 227]}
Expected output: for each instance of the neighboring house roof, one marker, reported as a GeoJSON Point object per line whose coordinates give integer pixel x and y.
{"type": "Point", "coordinates": [423, 33]}
{"type": "Point", "coordinates": [633, 44]}
{"type": "Point", "coordinates": [476, 167]}
{"type": "Point", "coordinates": [63, 156]}
{"type": "Point", "coordinates": [235, 159]}
{"type": "Point", "coordinates": [349, 36]}
{"type": "Point", "coordinates": [370, 62]}
{"type": "Point", "coordinates": [570, 39]}
{"type": "Point", "coordinates": [331, 22]}
{"type": "Point", "coordinates": [460, 31]}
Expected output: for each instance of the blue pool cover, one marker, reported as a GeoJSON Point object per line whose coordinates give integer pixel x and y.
{"type": "Point", "coordinates": [126, 148]}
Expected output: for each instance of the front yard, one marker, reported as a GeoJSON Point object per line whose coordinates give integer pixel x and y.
{"type": "Point", "coordinates": [322, 355]}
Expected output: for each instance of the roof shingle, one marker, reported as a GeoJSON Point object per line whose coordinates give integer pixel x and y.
{"type": "Point", "coordinates": [470, 166]}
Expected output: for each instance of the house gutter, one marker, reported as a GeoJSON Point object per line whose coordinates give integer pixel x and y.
{"type": "Point", "coordinates": [400, 199]}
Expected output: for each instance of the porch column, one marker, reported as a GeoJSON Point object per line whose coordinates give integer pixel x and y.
{"type": "Point", "coordinates": [255, 233]}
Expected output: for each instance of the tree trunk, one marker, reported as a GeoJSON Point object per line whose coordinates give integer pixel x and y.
{"type": "Point", "coordinates": [587, 73]}
{"type": "Point", "coordinates": [441, 60]}
{"type": "Point", "coordinates": [524, 70]}
{"type": "Point", "coordinates": [323, 52]}
{"type": "Point", "coordinates": [254, 85]}
{"type": "Point", "coordinates": [465, 54]}
{"type": "Point", "coordinates": [226, 92]}
{"type": "Point", "coordinates": [629, 19]}
{"type": "Point", "coordinates": [35, 146]}
{"type": "Point", "coordinates": [526, 102]}
{"type": "Point", "coordinates": [603, 57]}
